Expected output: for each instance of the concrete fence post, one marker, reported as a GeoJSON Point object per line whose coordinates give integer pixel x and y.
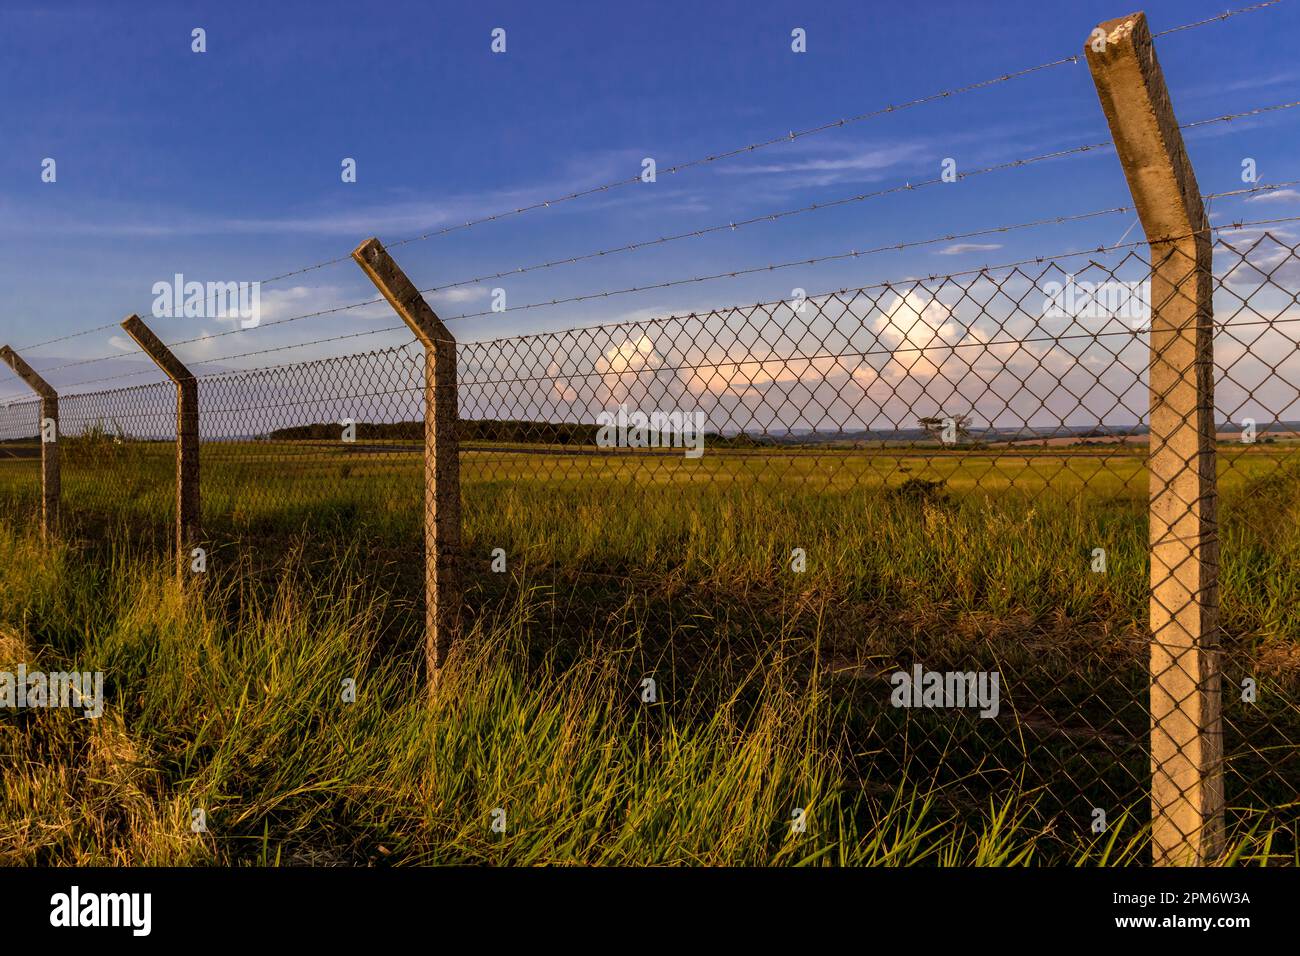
{"type": "Point", "coordinates": [1186, 719]}
{"type": "Point", "coordinates": [49, 431]}
{"type": "Point", "coordinates": [442, 519]}
{"type": "Point", "coordinates": [188, 528]}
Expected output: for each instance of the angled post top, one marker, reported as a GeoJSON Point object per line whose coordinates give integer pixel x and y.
{"type": "Point", "coordinates": [27, 373]}
{"type": "Point", "coordinates": [401, 293]}
{"type": "Point", "coordinates": [156, 350]}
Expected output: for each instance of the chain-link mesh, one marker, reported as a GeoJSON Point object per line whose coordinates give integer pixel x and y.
{"type": "Point", "coordinates": [947, 478]}
{"type": "Point", "coordinates": [20, 458]}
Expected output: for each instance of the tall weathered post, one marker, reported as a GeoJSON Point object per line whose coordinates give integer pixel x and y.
{"type": "Point", "coordinates": [442, 527]}
{"type": "Point", "coordinates": [188, 528]}
{"type": "Point", "coordinates": [49, 429]}
{"type": "Point", "coordinates": [1186, 719]}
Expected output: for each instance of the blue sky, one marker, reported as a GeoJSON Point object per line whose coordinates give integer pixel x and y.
{"type": "Point", "coordinates": [225, 166]}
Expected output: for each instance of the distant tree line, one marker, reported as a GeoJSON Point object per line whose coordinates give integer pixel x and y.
{"type": "Point", "coordinates": [485, 429]}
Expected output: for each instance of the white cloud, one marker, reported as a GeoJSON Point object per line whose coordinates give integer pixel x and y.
{"type": "Point", "coordinates": [460, 294]}
{"type": "Point", "coordinates": [959, 248]}
{"type": "Point", "coordinates": [865, 159]}
{"type": "Point", "coordinates": [400, 217]}
{"type": "Point", "coordinates": [1275, 195]}
{"type": "Point", "coordinates": [917, 329]}
{"type": "Point", "coordinates": [279, 304]}
{"type": "Point", "coordinates": [831, 164]}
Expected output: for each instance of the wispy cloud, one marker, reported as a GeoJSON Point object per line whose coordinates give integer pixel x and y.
{"type": "Point", "coordinates": [827, 165]}
{"type": "Point", "coordinates": [1275, 195]}
{"type": "Point", "coordinates": [958, 248]}
{"type": "Point", "coordinates": [394, 217]}
{"type": "Point", "coordinates": [460, 294]}
{"type": "Point", "coordinates": [1245, 84]}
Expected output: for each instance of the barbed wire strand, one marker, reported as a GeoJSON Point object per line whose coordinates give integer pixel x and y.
{"type": "Point", "coordinates": [794, 135]}
{"type": "Point", "coordinates": [789, 137]}
{"type": "Point", "coordinates": [770, 217]}
{"type": "Point", "coordinates": [993, 230]}
{"type": "Point", "coordinates": [1097, 250]}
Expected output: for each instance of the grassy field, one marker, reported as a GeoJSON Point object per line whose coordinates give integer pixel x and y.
{"type": "Point", "coordinates": [772, 685]}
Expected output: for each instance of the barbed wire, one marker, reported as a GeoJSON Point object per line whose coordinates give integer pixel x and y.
{"type": "Point", "coordinates": [776, 216]}
{"type": "Point", "coordinates": [772, 217]}
{"type": "Point", "coordinates": [264, 351]}
{"type": "Point", "coordinates": [769, 217]}
{"type": "Point", "coordinates": [789, 137]}
{"type": "Point", "coordinates": [771, 267]}
{"type": "Point", "coordinates": [1242, 115]}
{"type": "Point", "coordinates": [671, 283]}
{"type": "Point", "coordinates": [794, 135]}
{"type": "Point", "coordinates": [1096, 250]}
{"type": "Point", "coordinates": [934, 277]}
{"type": "Point", "coordinates": [64, 338]}
{"type": "Point", "coordinates": [217, 335]}
{"type": "Point", "coordinates": [853, 253]}
{"type": "Point", "coordinates": [1226, 15]}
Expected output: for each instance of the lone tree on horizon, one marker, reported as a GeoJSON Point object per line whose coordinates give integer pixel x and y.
{"type": "Point", "coordinates": [935, 425]}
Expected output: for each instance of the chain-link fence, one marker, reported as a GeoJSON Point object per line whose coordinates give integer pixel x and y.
{"type": "Point", "coordinates": [1029, 528]}
{"type": "Point", "coordinates": [935, 493]}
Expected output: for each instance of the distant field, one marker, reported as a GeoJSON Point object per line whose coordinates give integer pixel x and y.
{"type": "Point", "coordinates": [968, 559]}
{"type": "Point", "coordinates": [1005, 529]}
{"type": "Point", "coordinates": [872, 521]}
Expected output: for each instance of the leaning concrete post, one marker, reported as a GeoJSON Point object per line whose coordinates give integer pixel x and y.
{"type": "Point", "coordinates": [50, 487]}
{"type": "Point", "coordinates": [442, 532]}
{"type": "Point", "coordinates": [1186, 720]}
{"type": "Point", "coordinates": [187, 439]}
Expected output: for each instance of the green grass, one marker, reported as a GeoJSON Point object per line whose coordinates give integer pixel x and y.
{"type": "Point", "coordinates": [772, 685]}
{"type": "Point", "coordinates": [1016, 536]}
{"type": "Point", "coordinates": [240, 714]}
